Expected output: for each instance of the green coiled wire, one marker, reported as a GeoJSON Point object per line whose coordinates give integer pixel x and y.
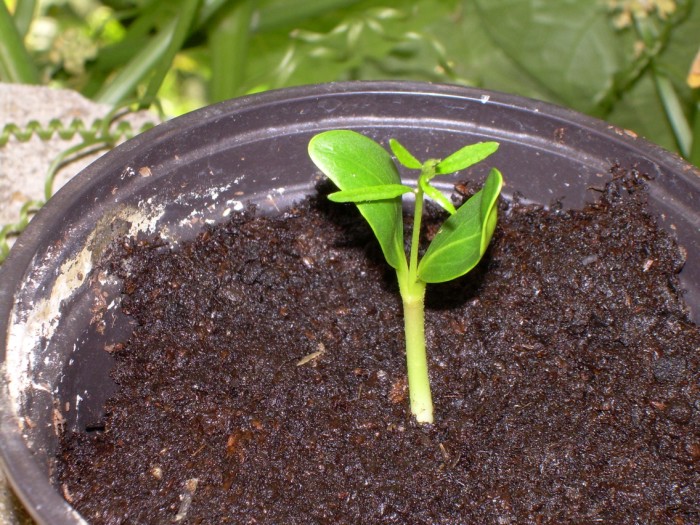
{"type": "Point", "coordinates": [122, 129]}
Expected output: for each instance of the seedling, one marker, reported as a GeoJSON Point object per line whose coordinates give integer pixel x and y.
{"type": "Point", "coordinates": [366, 175]}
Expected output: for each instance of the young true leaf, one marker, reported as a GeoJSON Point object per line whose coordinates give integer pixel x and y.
{"type": "Point", "coordinates": [463, 238]}
{"type": "Point", "coordinates": [365, 175]}
{"type": "Point", "coordinates": [465, 157]}
{"type": "Point", "coordinates": [436, 195]}
{"type": "Point", "coordinates": [404, 156]}
{"type": "Point", "coordinates": [353, 161]}
{"type": "Point", "coordinates": [370, 193]}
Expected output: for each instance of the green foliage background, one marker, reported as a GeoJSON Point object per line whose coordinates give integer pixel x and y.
{"type": "Point", "coordinates": [625, 61]}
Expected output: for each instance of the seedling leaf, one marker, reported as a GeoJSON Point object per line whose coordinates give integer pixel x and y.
{"type": "Point", "coordinates": [437, 196]}
{"type": "Point", "coordinates": [489, 210]}
{"type": "Point", "coordinates": [465, 157]}
{"type": "Point", "coordinates": [403, 155]}
{"type": "Point", "coordinates": [370, 194]}
{"type": "Point", "coordinates": [463, 238]}
{"type": "Point", "coordinates": [353, 161]}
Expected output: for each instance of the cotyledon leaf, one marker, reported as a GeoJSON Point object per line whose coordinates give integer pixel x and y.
{"type": "Point", "coordinates": [463, 238]}
{"type": "Point", "coordinates": [353, 161]}
{"type": "Point", "coordinates": [489, 210]}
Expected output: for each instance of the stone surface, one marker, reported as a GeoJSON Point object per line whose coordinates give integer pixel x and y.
{"type": "Point", "coordinates": [23, 168]}
{"type": "Point", "coordinates": [25, 163]}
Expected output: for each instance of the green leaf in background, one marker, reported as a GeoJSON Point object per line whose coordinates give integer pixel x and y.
{"type": "Point", "coordinates": [463, 238]}
{"type": "Point", "coordinates": [229, 38]}
{"type": "Point", "coordinates": [569, 47]}
{"type": "Point", "coordinates": [23, 15]}
{"type": "Point", "coordinates": [15, 62]}
{"type": "Point", "coordinates": [370, 39]}
{"type": "Point", "coordinates": [578, 54]}
{"type": "Point", "coordinates": [181, 30]}
{"type": "Point", "coordinates": [353, 161]}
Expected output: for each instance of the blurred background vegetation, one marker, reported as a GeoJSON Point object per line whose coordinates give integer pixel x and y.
{"type": "Point", "coordinates": [626, 61]}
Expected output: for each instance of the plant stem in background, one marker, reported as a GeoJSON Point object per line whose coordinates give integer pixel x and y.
{"type": "Point", "coordinates": [16, 64]}
{"type": "Point", "coordinates": [184, 21]}
{"type": "Point", "coordinates": [654, 41]}
{"type": "Point", "coordinates": [228, 39]}
{"type": "Point", "coordinates": [674, 114]}
{"type": "Point", "coordinates": [24, 12]}
{"type": "Point", "coordinates": [695, 151]}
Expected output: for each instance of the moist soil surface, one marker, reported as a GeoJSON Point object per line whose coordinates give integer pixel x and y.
{"type": "Point", "coordinates": [265, 380]}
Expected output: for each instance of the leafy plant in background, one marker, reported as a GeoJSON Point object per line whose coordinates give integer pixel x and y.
{"type": "Point", "coordinates": [366, 175]}
{"type": "Point", "coordinates": [653, 34]}
{"type": "Point", "coordinates": [608, 58]}
{"type": "Point", "coordinates": [624, 61]}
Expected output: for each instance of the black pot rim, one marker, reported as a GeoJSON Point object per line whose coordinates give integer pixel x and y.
{"type": "Point", "coordinates": [29, 482]}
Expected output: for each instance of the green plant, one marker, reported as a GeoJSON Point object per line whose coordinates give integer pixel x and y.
{"type": "Point", "coordinates": [366, 175]}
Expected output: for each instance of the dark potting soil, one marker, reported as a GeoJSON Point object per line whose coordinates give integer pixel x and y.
{"type": "Point", "coordinates": [265, 381]}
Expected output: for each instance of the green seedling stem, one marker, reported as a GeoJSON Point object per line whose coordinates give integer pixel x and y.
{"type": "Point", "coordinates": [366, 175]}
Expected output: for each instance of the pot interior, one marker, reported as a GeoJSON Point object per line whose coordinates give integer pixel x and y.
{"type": "Point", "coordinates": [61, 317]}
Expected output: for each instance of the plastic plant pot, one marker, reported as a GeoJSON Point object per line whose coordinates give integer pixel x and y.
{"type": "Point", "coordinates": [55, 314]}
